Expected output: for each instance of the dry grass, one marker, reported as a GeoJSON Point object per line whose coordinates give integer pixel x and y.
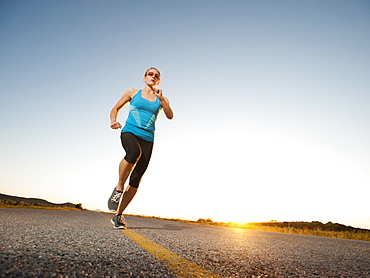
{"type": "Point", "coordinates": [38, 207]}
{"type": "Point", "coordinates": [317, 232]}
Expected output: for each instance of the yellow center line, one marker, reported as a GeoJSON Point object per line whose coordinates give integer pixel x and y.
{"type": "Point", "coordinates": [175, 263]}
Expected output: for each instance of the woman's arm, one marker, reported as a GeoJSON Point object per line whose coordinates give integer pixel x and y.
{"type": "Point", "coordinates": [127, 96]}
{"type": "Point", "coordinates": [164, 103]}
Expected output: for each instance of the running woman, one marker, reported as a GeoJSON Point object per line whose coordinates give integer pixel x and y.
{"type": "Point", "coordinates": [137, 139]}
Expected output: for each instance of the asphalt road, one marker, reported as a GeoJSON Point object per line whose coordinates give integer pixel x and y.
{"type": "Point", "coordinates": [48, 243]}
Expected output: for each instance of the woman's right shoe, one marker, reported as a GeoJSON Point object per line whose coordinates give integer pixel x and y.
{"type": "Point", "coordinates": [114, 199]}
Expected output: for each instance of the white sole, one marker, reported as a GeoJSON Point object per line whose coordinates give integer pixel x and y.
{"type": "Point", "coordinates": [114, 226]}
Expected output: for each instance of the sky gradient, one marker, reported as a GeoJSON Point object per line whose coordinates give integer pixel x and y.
{"type": "Point", "coordinates": [271, 102]}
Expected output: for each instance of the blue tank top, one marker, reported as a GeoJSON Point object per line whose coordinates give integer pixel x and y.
{"type": "Point", "coordinates": [142, 116]}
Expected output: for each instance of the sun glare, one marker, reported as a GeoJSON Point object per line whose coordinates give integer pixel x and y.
{"type": "Point", "coordinates": [251, 176]}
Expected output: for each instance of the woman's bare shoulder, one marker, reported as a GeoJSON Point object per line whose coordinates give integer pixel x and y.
{"type": "Point", "coordinates": [131, 92]}
{"type": "Point", "coordinates": [128, 94]}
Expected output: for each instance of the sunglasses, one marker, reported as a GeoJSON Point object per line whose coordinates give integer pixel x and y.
{"type": "Point", "coordinates": [156, 75]}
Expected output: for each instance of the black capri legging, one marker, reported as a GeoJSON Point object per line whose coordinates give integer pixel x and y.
{"type": "Point", "coordinates": [138, 151]}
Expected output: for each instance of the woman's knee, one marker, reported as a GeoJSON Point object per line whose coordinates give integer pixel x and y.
{"type": "Point", "coordinates": [135, 184]}
{"type": "Point", "coordinates": [133, 155]}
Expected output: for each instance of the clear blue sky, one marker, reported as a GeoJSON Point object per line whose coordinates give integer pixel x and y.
{"type": "Point", "coordinates": [271, 101]}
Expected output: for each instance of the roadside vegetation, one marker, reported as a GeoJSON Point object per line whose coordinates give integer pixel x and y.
{"type": "Point", "coordinates": [35, 205]}
{"type": "Point", "coordinates": [314, 228]}
{"type": "Point", "coordinates": [308, 228]}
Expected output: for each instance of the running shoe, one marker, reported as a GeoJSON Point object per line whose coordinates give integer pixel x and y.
{"type": "Point", "coordinates": [114, 199]}
{"type": "Point", "coordinates": [119, 222]}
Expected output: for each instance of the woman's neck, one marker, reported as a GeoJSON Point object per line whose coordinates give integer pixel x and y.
{"type": "Point", "coordinates": [148, 89]}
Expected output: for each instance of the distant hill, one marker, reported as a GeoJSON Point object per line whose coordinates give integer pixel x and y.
{"type": "Point", "coordinates": [315, 225]}
{"type": "Point", "coordinates": [35, 201]}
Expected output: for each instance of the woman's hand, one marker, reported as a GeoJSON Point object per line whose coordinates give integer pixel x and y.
{"type": "Point", "coordinates": [115, 125]}
{"type": "Point", "coordinates": [158, 93]}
